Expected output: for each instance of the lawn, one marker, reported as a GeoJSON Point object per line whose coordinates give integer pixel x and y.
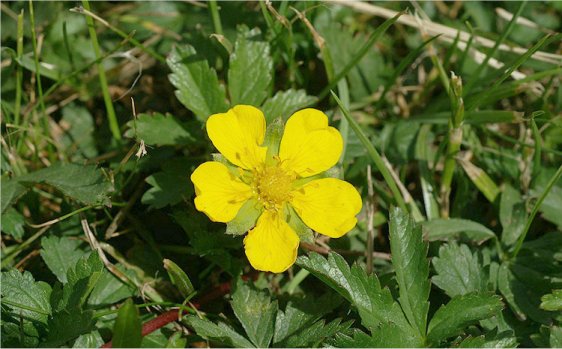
{"type": "Point", "coordinates": [281, 174]}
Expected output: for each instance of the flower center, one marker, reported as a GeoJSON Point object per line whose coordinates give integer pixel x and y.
{"type": "Point", "coordinates": [272, 186]}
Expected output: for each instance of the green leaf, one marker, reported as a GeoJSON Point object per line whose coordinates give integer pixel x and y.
{"type": "Point", "coordinates": [179, 278]}
{"type": "Point", "coordinates": [491, 340]}
{"type": "Point", "coordinates": [18, 332]}
{"type": "Point", "coordinates": [221, 333]}
{"type": "Point", "coordinates": [169, 186]}
{"type": "Point", "coordinates": [315, 334]}
{"type": "Point", "coordinates": [110, 290]}
{"type": "Point", "coordinates": [159, 129]}
{"type": "Point", "coordinates": [301, 314]}
{"type": "Point", "coordinates": [127, 328]}
{"type": "Point", "coordinates": [555, 337]}
{"type": "Point", "coordinates": [25, 297]}
{"type": "Point", "coordinates": [197, 85]}
{"type": "Point", "coordinates": [84, 183]}
{"type": "Point", "coordinates": [459, 272]}
{"type": "Point", "coordinates": [552, 301]}
{"type": "Point", "coordinates": [60, 254]}
{"type": "Point", "coordinates": [386, 335]}
{"type": "Point", "coordinates": [12, 223]}
{"type": "Point", "coordinates": [452, 319]}
{"type": "Point", "coordinates": [409, 258]}
{"type": "Point", "coordinates": [513, 215]}
{"type": "Point", "coordinates": [89, 340]}
{"type": "Point", "coordinates": [284, 103]}
{"type": "Point", "coordinates": [374, 304]}
{"type": "Point", "coordinates": [176, 340]}
{"type": "Point", "coordinates": [11, 191]}
{"type": "Point", "coordinates": [79, 136]}
{"type": "Point", "coordinates": [245, 219]}
{"type": "Point", "coordinates": [250, 69]}
{"type": "Point", "coordinates": [256, 312]}
{"type": "Point", "coordinates": [444, 229]}
{"type": "Point", "coordinates": [66, 326]}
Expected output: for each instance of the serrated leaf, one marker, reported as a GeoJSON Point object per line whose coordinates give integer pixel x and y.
{"type": "Point", "coordinates": [18, 332]}
{"type": "Point", "coordinates": [221, 333]}
{"type": "Point", "coordinates": [60, 254]}
{"type": "Point", "coordinates": [110, 290]}
{"type": "Point", "coordinates": [89, 340]}
{"type": "Point", "coordinates": [409, 258]}
{"type": "Point", "coordinates": [315, 334]}
{"type": "Point", "coordinates": [458, 270]}
{"type": "Point", "coordinates": [127, 328]}
{"type": "Point", "coordinates": [179, 278]}
{"type": "Point", "coordinates": [25, 297]}
{"type": "Point", "coordinates": [256, 312]}
{"type": "Point", "coordinates": [386, 335]}
{"type": "Point", "coordinates": [443, 229]}
{"type": "Point", "coordinates": [168, 188]}
{"type": "Point", "coordinates": [84, 183]}
{"type": "Point", "coordinates": [284, 103]}
{"type": "Point", "coordinates": [11, 191]}
{"type": "Point", "coordinates": [374, 304]}
{"type": "Point", "coordinates": [452, 318]}
{"type": "Point", "coordinates": [197, 85]}
{"type": "Point", "coordinates": [250, 69]}
{"type": "Point", "coordinates": [513, 215]}
{"type": "Point", "coordinates": [66, 326]}
{"type": "Point", "coordinates": [159, 129]}
{"type": "Point", "coordinates": [12, 223]}
{"type": "Point", "coordinates": [505, 339]}
{"type": "Point", "coordinates": [552, 301]}
{"type": "Point", "coordinates": [300, 314]}
{"type": "Point", "coordinates": [245, 219]}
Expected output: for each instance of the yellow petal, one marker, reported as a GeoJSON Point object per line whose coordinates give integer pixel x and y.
{"type": "Point", "coordinates": [327, 205]}
{"type": "Point", "coordinates": [272, 245]}
{"type": "Point", "coordinates": [220, 194]}
{"type": "Point", "coordinates": [309, 146]}
{"type": "Point", "coordinates": [238, 134]}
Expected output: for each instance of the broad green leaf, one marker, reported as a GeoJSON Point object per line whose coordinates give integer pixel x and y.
{"type": "Point", "coordinates": [555, 337]}
{"type": "Point", "coordinates": [60, 254]}
{"type": "Point", "coordinates": [374, 304]}
{"type": "Point", "coordinates": [197, 85]}
{"type": "Point", "coordinates": [168, 187]}
{"type": "Point", "coordinates": [409, 258]}
{"type": "Point", "coordinates": [12, 223]}
{"type": "Point", "coordinates": [284, 103]}
{"type": "Point", "coordinates": [245, 219]}
{"type": "Point", "coordinates": [159, 129]}
{"type": "Point", "coordinates": [110, 290]}
{"type": "Point", "coordinates": [127, 328]}
{"type": "Point", "coordinates": [11, 191]}
{"type": "Point", "coordinates": [459, 272]}
{"type": "Point", "coordinates": [513, 215]}
{"type": "Point", "coordinates": [492, 339]}
{"type": "Point", "coordinates": [67, 326]}
{"type": "Point", "coordinates": [79, 128]}
{"type": "Point", "coordinates": [81, 280]}
{"type": "Point", "coordinates": [221, 333]}
{"type": "Point", "coordinates": [256, 312]}
{"type": "Point", "coordinates": [301, 314]}
{"type": "Point", "coordinates": [22, 295]}
{"type": "Point", "coordinates": [552, 301]}
{"type": "Point", "coordinates": [179, 278]}
{"type": "Point", "coordinates": [452, 318]}
{"type": "Point", "coordinates": [250, 69]}
{"type": "Point", "coordinates": [18, 332]}
{"type": "Point", "coordinates": [84, 183]}
{"type": "Point", "coordinates": [89, 340]}
{"type": "Point", "coordinates": [444, 229]}
{"type": "Point", "coordinates": [315, 334]}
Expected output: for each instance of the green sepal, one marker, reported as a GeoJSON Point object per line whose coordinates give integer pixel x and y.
{"type": "Point", "coordinates": [295, 222]}
{"type": "Point", "coordinates": [246, 218]}
{"type": "Point", "coordinates": [272, 139]}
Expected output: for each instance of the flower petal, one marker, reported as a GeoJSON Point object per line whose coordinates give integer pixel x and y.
{"type": "Point", "coordinates": [220, 194]}
{"type": "Point", "coordinates": [327, 205]}
{"type": "Point", "coordinates": [238, 134]}
{"type": "Point", "coordinates": [309, 146]}
{"type": "Point", "coordinates": [272, 245]}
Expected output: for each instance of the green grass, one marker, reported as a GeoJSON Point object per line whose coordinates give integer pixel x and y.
{"type": "Point", "coordinates": [459, 162]}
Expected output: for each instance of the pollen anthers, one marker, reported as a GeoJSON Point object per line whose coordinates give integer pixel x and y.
{"type": "Point", "coordinates": [272, 185]}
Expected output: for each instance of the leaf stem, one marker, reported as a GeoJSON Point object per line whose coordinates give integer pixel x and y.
{"type": "Point", "coordinates": [215, 15]}
{"type": "Point", "coordinates": [19, 70]}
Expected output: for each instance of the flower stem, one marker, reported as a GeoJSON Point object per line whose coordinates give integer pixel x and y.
{"type": "Point", "coordinates": [215, 16]}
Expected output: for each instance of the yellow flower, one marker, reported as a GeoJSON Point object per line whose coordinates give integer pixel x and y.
{"type": "Point", "coordinates": [275, 181]}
